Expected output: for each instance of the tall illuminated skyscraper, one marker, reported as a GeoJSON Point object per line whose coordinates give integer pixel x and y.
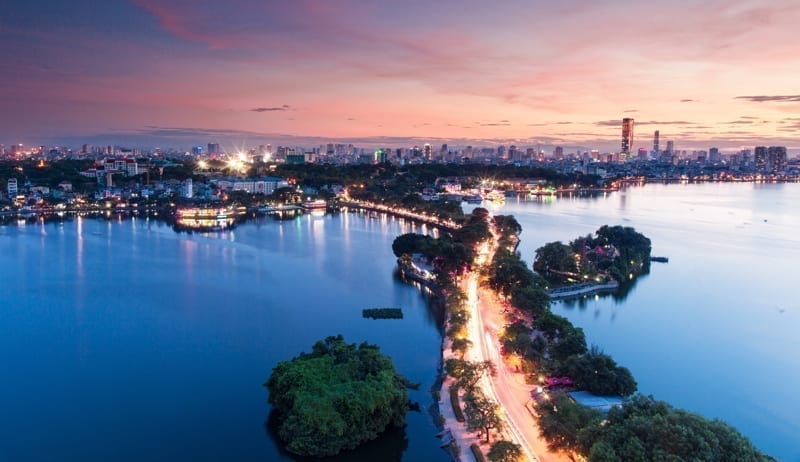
{"type": "Point", "coordinates": [627, 135]}
{"type": "Point", "coordinates": [656, 144]}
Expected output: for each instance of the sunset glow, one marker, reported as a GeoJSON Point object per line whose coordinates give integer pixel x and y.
{"type": "Point", "coordinates": [159, 72]}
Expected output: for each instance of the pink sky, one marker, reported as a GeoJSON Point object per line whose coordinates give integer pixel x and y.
{"type": "Point", "coordinates": [712, 73]}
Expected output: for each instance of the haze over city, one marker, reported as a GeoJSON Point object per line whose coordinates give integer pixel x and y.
{"type": "Point", "coordinates": [156, 73]}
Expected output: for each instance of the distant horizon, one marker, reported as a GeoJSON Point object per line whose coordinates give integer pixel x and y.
{"type": "Point", "coordinates": [718, 73]}
{"type": "Point", "coordinates": [232, 140]}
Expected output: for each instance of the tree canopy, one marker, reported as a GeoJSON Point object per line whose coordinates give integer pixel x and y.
{"type": "Point", "coordinates": [504, 451]}
{"type": "Point", "coordinates": [336, 397]}
{"type": "Point", "coordinates": [645, 429]}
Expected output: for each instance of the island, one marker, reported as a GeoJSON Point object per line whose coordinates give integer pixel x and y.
{"type": "Point", "coordinates": [613, 256]}
{"type": "Point", "coordinates": [336, 397]}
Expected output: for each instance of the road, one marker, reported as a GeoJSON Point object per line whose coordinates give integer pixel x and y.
{"type": "Point", "coordinates": [507, 388]}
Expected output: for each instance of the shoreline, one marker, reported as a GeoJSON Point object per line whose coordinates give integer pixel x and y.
{"type": "Point", "coordinates": [576, 290]}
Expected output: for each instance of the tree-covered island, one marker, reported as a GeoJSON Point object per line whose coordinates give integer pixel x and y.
{"type": "Point", "coordinates": [614, 253]}
{"type": "Point", "coordinates": [336, 397]}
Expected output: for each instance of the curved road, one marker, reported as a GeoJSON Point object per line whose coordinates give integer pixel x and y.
{"type": "Point", "coordinates": [506, 387]}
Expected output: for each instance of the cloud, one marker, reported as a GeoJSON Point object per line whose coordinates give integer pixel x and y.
{"type": "Point", "coordinates": [628, 111]}
{"type": "Point", "coordinates": [285, 107]}
{"type": "Point", "coordinates": [609, 123]}
{"type": "Point", "coordinates": [740, 122]}
{"type": "Point", "coordinates": [498, 124]}
{"type": "Point", "coordinates": [547, 124]}
{"type": "Point", "coordinates": [687, 100]}
{"type": "Point", "coordinates": [771, 98]}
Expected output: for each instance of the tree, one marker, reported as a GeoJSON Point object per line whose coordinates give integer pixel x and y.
{"type": "Point", "coordinates": [646, 429]}
{"type": "Point", "coordinates": [468, 373]}
{"type": "Point", "coordinates": [482, 414]}
{"type": "Point", "coordinates": [530, 299]}
{"type": "Point", "coordinates": [562, 420]}
{"type": "Point", "coordinates": [504, 451]}
{"type": "Point", "coordinates": [460, 346]}
{"type": "Point", "coordinates": [336, 397]}
{"type": "Point", "coordinates": [598, 373]}
{"type": "Point", "coordinates": [554, 256]}
{"type": "Point", "coordinates": [508, 271]}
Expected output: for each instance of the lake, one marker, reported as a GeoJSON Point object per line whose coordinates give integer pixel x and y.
{"type": "Point", "coordinates": [715, 330]}
{"type": "Point", "coordinates": [124, 340]}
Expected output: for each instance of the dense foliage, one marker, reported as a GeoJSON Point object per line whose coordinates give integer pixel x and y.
{"type": "Point", "coordinates": [598, 373]}
{"type": "Point", "coordinates": [645, 429]}
{"type": "Point", "coordinates": [504, 451]}
{"type": "Point", "coordinates": [642, 430]}
{"type": "Point", "coordinates": [613, 253]}
{"type": "Point", "coordinates": [451, 254]}
{"type": "Point", "coordinates": [336, 397]}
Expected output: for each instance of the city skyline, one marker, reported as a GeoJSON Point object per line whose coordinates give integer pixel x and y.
{"type": "Point", "coordinates": [176, 73]}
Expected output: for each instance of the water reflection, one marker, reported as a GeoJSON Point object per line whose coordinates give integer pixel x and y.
{"type": "Point", "coordinates": [389, 446]}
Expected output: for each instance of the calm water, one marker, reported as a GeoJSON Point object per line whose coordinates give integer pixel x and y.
{"type": "Point", "coordinates": [716, 329]}
{"type": "Point", "coordinates": [124, 340]}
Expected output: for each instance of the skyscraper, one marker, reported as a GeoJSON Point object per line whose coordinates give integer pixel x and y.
{"type": "Point", "coordinates": [760, 158]}
{"type": "Point", "coordinates": [627, 135]}
{"type": "Point", "coordinates": [670, 146]}
{"type": "Point", "coordinates": [776, 158]}
{"type": "Point", "coordinates": [656, 145]}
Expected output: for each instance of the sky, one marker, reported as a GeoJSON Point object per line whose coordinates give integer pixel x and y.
{"type": "Point", "coordinates": [303, 72]}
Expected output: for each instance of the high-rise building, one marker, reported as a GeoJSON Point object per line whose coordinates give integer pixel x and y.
{"type": "Point", "coordinates": [713, 155]}
{"type": "Point", "coordinates": [558, 152]}
{"type": "Point", "coordinates": [776, 158]}
{"type": "Point", "coordinates": [656, 145]}
{"type": "Point", "coordinates": [627, 135]}
{"type": "Point", "coordinates": [642, 154]}
{"type": "Point", "coordinates": [670, 147]}
{"type": "Point", "coordinates": [760, 158]}
{"type": "Point", "coordinates": [213, 148]}
{"type": "Point", "coordinates": [427, 151]}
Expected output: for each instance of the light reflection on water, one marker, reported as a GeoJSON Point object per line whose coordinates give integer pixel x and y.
{"type": "Point", "coordinates": [147, 344]}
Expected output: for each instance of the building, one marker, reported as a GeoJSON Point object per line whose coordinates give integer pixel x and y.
{"type": "Point", "coordinates": [266, 185]}
{"type": "Point", "coordinates": [427, 152]}
{"type": "Point", "coordinates": [760, 158]}
{"type": "Point", "coordinates": [776, 158]}
{"type": "Point", "coordinates": [12, 187]}
{"type": "Point", "coordinates": [656, 144]}
{"type": "Point", "coordinates": [186, 189]}
{"type": "Point", "coordinates": [213, 149]}
{"type": "Point", "coordinates": [627, 136]}
{"type": "Point", "coordinates": [670, 147]}
{"type": "Point", "coordinates": [714, 155]}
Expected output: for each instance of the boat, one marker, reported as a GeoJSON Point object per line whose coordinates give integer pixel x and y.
{"type": "Point", "coordinates": [473, 199]}
{"type": "Point", "coordinates": [660, 259]}
{"type": "Point", "coordinates": [497, 197]}
{"type": "Point", "coordinates": [314, 205]}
